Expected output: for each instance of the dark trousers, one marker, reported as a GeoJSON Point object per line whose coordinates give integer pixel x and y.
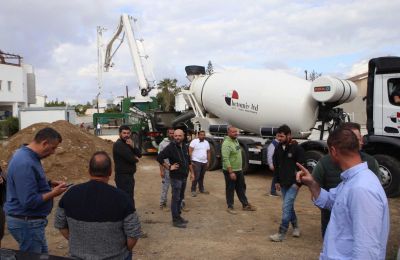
{"type": "Point", "coordinates": [126, 182]}
{"type": "Point", "coordinates": [273, 189]}
{"type": "Point", "coordinates": [199, 172]}
{"type": "Point", "coordinates": [325, 216]}
{"type": "Point", "coordinates": [178, 194]}
{"type": "Point", "coordinates": [239, 185]}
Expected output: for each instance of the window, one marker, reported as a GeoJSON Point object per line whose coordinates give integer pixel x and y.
{"type": "Point", "coordinates": [9, 85]}
{"type": "Point", "coordinates": [394, 91]}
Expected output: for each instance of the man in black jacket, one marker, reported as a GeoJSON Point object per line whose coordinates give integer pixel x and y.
{"type": "Point", "coordinates": [126, 155]}
{"type": "Point", "coordinates": [286, 154]}
{"type": "Point", "coordinates": [179, 165]}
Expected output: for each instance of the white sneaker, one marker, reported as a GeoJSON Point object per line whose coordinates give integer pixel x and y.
{"type": "Point", "coordinates": [278, 237]}
{"type": "Point", "coordinates": [296, 232]}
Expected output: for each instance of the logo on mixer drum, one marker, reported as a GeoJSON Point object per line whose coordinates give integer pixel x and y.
{"type": "Point", "coordinates": [232, 100]}
{"type": "Point", "coordinates": [230, 96]}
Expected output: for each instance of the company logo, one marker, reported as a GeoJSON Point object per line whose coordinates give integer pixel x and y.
{"type": "Point", "coordinates": [232, 95]}
{"type": "Point", "coordinates": [232, 100]}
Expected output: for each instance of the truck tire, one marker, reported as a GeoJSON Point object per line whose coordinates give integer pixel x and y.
{"type": "Point", "coordinates": [215, 162]}
{"type": "Point", "coordinates": [245, 160]}
{"type": "Point", "coordinates": [311, 159]}
{"type": "Point", "coordinates": [390, 174]}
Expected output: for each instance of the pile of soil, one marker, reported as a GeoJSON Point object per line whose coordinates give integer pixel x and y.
{"type": "Point", "coordinates": [71, 159]}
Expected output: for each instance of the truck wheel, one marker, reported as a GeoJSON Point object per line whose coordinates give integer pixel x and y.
{"type": "Point", "coordinates": [245, 160]}
{"type": "Point", "coordinates": [311, 158]}
{"type": "Point", "coordinates": [214, 161]}
{"type": "Point", "coordinates": [390, 174]}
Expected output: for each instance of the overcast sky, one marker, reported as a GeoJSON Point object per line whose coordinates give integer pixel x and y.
{"type": "Point", "coordinates": [59, 38]}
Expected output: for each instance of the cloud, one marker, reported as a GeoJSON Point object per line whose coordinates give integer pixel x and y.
{"type": "Point", "coordinates": [59, 38]}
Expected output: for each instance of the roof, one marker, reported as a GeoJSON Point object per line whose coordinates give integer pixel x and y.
{"type": "Point", "coordinates": [385, 65]}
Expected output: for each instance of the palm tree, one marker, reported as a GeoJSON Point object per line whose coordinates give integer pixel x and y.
{"type": "Point", "coordinates": [166, 96]}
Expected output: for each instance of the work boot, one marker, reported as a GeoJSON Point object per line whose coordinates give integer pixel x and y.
{"type": "Point", "coordinates": [184, 221]}
{"type": "Point", "coordinates": [278, 237]}
{"type": "Point", "coordinates": [177, 223]}
{"type": "Point", "coordinates": [296, 232]}
{"type": "Point", "coordinates": [231, 210]}
{"type": "Point", "coordinates": [249, 207]}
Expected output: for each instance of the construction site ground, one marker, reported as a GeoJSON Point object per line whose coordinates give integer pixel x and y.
{"type": "Point", "coordinates": [212, 232]}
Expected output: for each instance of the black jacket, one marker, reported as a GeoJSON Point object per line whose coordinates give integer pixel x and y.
{"type": "Point", "coordinates": [285, 163]}
{"type": "Point", "coordinates": [124, 157]}
{"type": "Point", "coordinates": [176, 154]}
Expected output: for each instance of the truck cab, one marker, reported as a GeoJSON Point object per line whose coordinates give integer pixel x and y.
{"type": "Point", "coordinates": [383, 120]}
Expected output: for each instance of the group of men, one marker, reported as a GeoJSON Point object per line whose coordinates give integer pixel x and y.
{"type": "Point", "coordinates": [100, 220]}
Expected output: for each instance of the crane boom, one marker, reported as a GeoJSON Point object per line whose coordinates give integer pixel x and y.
{"type": "Point", "coordinates": [126, 27]}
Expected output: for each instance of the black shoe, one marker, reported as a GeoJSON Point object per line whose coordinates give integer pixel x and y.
{"type": "Point", "coordinates": [178, 224]}
{"type": "Point", "coordinates": [182, 220]}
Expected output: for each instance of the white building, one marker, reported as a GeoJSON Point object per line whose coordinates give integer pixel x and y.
{"type": "Point", "coordinates": [40, 101]}
{"type": "Point", "coordinates": [17, 85]}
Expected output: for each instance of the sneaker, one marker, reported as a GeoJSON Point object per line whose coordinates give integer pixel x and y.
{"type": "Point", "coordinates": [185, 209]}
{"type": "Point", "coordinates": [205, 192]}
{"type": "Point", "coordinates": [273, 194]}
{"type": "Point", "coordinates": [194, 194]}
{"type": "Point", "coordinates": [278, 237]}
{"type": "Point", "coordinates": [184, 221]}
{"type": "Point", "coordinates": [249, 207]}
{"type": "Point", "coordinates": [231, 211]}
{"type": "Point", "coordinates": [162, 206]}
{"type": "Point", "coordinates": [296, 232]}
{"type": "Point", "coordinates": [143, 234]}
{"type": "Point", "coordinates": [178, 224]}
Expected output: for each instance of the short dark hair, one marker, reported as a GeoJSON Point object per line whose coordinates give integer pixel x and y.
{"type": "Point", "coordinates": [202, 131]}
{"type": "Point", "coordinates": [350, 126]}
{"type": "Point", "coordinates": [343, 139]}
{"type": "Point", "coordinates": [124, 127]}
{"type": "Point", "coordinates": [284, 129]}
{"type": "Point", "coordinates": [100, 164]}
{"type": "Point", "coordinates": [47, 134]}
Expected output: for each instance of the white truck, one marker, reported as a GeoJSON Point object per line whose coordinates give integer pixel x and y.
{"type": "Point", "coordinates": [259, 101]}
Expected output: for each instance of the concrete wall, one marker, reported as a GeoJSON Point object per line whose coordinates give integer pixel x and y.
{"type": "Point", "coordinates": [33, 116]}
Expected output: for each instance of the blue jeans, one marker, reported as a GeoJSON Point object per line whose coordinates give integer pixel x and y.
{"type": "Point", "coordinates": [30, 234]}
{"type": "Point", "coordinates": [178, 194]}
{"type": "Point", "coordinates": [288, 214]}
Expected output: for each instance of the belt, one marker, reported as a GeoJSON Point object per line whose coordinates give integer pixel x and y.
{"type": "Point", "coordinates": [27, 217]}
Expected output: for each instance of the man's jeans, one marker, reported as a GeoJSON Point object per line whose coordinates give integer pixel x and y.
{"type": "Point", "coordinates": [164, 188]}
{"type": "Point", "coordinates": [239, 185]}
{"type": "Point", "coordinates": [199, 172]}
{"type": "Point", "coordinates": [126, 182]}
{"type": "Point", "coordinates": [30, 234]}
{"type": "Point", "coordinates": [273, 189]}
{"type": "Point", "coordinates": [288, 213]}
{"type": "Point", "coordinates": [178, 194]}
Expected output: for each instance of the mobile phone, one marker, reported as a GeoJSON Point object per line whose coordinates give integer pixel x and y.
{"type": "Point", "coordinates": [69, 185]}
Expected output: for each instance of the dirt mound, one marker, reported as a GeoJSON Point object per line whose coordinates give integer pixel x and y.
{"type": "Point", "coordinates": [71, 160]}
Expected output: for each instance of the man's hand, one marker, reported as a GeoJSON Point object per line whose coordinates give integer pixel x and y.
{"type": "Point", "coordinates": [174, 167]}
{"type": "Point", "coordinates": [129, 141]}
{"type": "Point", "coordinates": [304, 176]}
{"type": "Point", "coordinates": [162, 174]}
{"type": "Point", "coordinates": [271, 168]}
{"type": "Point", "coordinates": [277, 186]}
{"type": "Point", "coordinates": [56, 183]}
{"type": "Point", "coordinates": [192, 176]}
{"type": "Point", "coordinates": [232, 175]}
{"type": "Point", "coordinates": [59, 189]}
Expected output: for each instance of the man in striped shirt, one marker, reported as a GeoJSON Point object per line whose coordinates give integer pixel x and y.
{"type": "Point", "coordinates": [98, 219]}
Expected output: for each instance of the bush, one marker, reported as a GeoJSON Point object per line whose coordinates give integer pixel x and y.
{"type": "Point", "coordinates": [9, 126]}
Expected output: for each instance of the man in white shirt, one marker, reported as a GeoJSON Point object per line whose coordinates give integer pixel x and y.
{"type": "Point", "coordinates": [199, 150]}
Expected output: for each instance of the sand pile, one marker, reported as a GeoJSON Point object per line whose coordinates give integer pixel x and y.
{"type": "Point", "coordinates": [71, 160]}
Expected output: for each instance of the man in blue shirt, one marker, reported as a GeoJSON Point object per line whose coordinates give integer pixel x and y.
{"type": "Point", "coordinates": [29, 195]}
{"type": "Point", "coordinates": [359, 223]}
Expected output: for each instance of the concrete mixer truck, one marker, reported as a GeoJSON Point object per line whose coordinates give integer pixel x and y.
{"type": "Point", "coordinates": [259, 101]}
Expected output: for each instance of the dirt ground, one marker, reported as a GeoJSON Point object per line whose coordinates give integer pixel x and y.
{"type": "Point", "coordinates": [213, 233]}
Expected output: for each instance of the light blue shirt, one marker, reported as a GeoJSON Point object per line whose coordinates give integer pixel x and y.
{"type": "Point", "coordinates": [359, 223]}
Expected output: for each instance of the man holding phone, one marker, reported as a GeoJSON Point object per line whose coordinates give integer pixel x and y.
{"type": "Point", "coordinates": [179, 165]}
{"type": "Point", "coordinates": [126, 155]}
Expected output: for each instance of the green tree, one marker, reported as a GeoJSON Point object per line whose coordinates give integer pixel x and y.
{"type": "Point", "coordinates": [166, 95]}
{"type": "Point", "coordinates": [56, 103]}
